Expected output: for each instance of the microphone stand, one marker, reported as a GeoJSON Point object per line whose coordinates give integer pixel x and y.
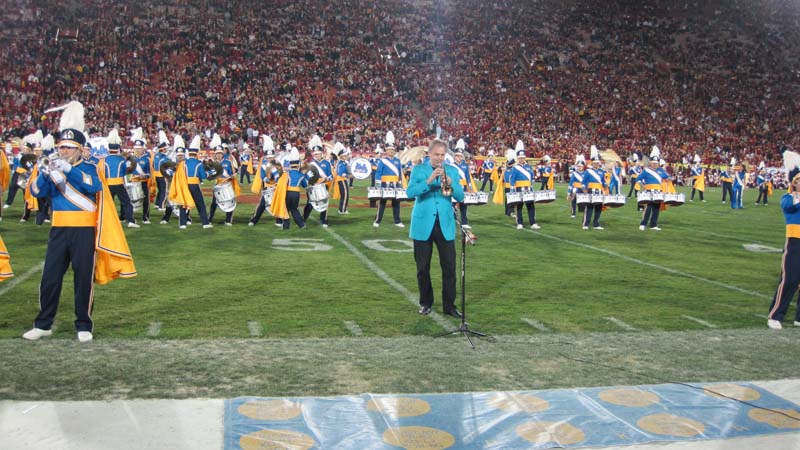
{"type": "Point", "coordinates": [466, 235]}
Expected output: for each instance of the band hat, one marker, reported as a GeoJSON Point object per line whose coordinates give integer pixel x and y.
{"type": "Point", "coordinates": [510, 155]}
{"type": "Point", "coordinates": [389, 139]}
{"type": "Point", "coordinates": [655, 153]}
{"type": "Point", "coordinates": [461, 145]}
{"type": "Point", "coordinates": [178, 143]}
{"type": "Point", "coordinates": [48, 143]}
{"type": "Point", "coordinates": [520, 153]}
{"type": "Point", "coordinates": [791, 165]}
{"type": "Point", "coordinates": [268, 143]}
{"type": "Point", "coordinates": [546, 158]}
{"type": "Point", "coordinates": [33, 140]}
{"type": "Point", "coordinates": [491, 153]}
{"type": "Point", "coordinates": [139, 143]}
{"type": "Point", "coordinates": [216, 143]}
{"type": "Point", "coordinates": [696, 158]}
{"type": "Point", "coordinates": [594, 154]}
{"type": "Point", "coordinates": [661, 162]}
{"type": "Point", "coordinates": [269, 153]}
{"type": "Point", "coordinates": [294, 157]}
{"type": "Point", "coordinates": [114, 141]}
{"type": "Point", "coordinates": [520, 145]}
{"type": "Point", "coordinates": [378, 149]}
{"type": "Point", "coordinates": [71, 125]}
{"type": "Point", "coordinates": [163, 141]}
{"type": "Point", "coordinates": [315, 144]}
{"type": "Point", "coordinates": [580, 159]}
{"type": "Point", "coordinates": [194, 147]}
{"type": "Point", "coordinates": [338, 149]}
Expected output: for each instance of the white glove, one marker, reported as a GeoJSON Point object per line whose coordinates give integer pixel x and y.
{"type": "Point", "coordinates": [58, 178]}
{"type": "Point", "coordinates": [62, 166]}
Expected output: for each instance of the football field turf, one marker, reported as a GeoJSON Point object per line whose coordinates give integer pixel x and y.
{"type": "Point", "coordinates": [710, 272]}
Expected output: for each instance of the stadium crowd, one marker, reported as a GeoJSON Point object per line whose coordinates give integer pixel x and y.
{"type": "Point", "coordinates": [713, 78]}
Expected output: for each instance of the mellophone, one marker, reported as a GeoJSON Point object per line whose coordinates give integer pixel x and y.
{"type": "Point", "coordinates": [530, 196]}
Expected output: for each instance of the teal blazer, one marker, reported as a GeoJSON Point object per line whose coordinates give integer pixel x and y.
{"type": "Point", "coordinates": [431, 203]}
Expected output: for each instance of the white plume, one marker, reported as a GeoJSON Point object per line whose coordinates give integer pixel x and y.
{"type": "Point", "coordinates": [520, 145]}
{"type": "Point", "coordinates": [268, 144]}
{"type": "Point", "coordinates": [655, 153]}
{"type": "Point", "coordinates": [113, 137]}
{"type": "Point", "coordinates": [315, 142]}
{"type": "Point", "coordinates": [389, 139]}
{"type": "Point", "coordinates": [72, 117]}
{"type": "Point", "coordinates": [791, 161]}
{"type": "Point", "coordinates": [461, 145]}
{"type": "Point", "coordinates": [178, 142]}
{"type": "Point", "coordinates": [216, 141]}
{"type": "Point", "coordinates": [196, 142]}
{"type": "Point", "coordinates": [162, 138]}
{"type": "Point", "coordinates": [48, 142]}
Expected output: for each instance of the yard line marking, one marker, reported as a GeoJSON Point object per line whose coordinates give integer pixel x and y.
{"type": "Point", "coordinates": [700, 321]}
{"type": "Point", "coordinates": [695, 230]}
{"type": "Point", "coordinates": [653, 265]}
{"type": "Point", "coordinates": [536, 324]}
{"type": "Point", "coordinates": [30, 409]}
{"type": "Point", "coordinates": [761, 316]}
{"type": "Point", "coordinates": [17, 280]}
{"type": "Point", "coordinates": [155, 329]}
{"type": "Point", "coordinates": [254, 328]}
{"type": "Point", "coordinates": [353, 327]}
{"type": "Point", "coordinates": [385, 277]}
{"type": "Point", "coordinates": [620, 323]}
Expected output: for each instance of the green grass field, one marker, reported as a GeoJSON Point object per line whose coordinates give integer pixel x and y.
{"type": "Point", "coordinates": [359, 282]}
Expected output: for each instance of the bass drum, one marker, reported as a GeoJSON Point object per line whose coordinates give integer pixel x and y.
{"type": "Point", "coordinates": [318, 197]}
{"type": "Point", "coordinates": [225, 197]}
{"type": "Point", "coordinates": [360, 168]}
{"type": "Point", "coordinates": [136, 194]}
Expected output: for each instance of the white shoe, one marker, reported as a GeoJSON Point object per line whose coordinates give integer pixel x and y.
{"type": "Point", "coordinates": [23, 220]}
{"type": "Point", "coordinates": [703, 201]}
{"type": "Point", "coordinates": [182, 227]}
{"type": "Point", "coordinates": [34, 334]}
{"type": "Point", "coordinates": [519, 226]}
{"type": "Point", "coordinates": [146, 222]}
{"type": "Point", "coordinates": [228, 224]}
{"type": "Point", "coordinates": [535, 226]}
{"type": "Point", "coordinates": [599, 228]}
{"type": "Point", "coordinates": [641, 227]}
{"type": "Point", "coordinates": [400, 225]}
{"type": "Point", "coordinates": [163, 222]}
{"type": "Point", "coordinates": [655, 228]}
{"type": "Point", "coordinates": [774, 324]}
{"type": "Point", "coordinates": [691, 199]}
{"type": "Point", "coordinates": [133, 225]}
{"type": "Point", "coordinates": [376, 224]}
{"type": "Point", "coordinates": [346, 212]}
{"type": "Point", "coordinates": [84, 336]}
{"type": "Point", "coordinates": [585, 228]}
{"type": "Point", "coordinates": [324, 225]}
{"type": "Point", "coordinates": [250, 224]}
{"type": "Point", "coordinates": [206, 226]}
{"type": "Point", "coordinates": [466, 227]}
{"type": "Point", "coordinates": [6, 206]}
{"type": "Point", "coordinates": [45, 220]}
{"type": "Point", "coordinates": [278, 225]}
{"type": "Point", "coordinates": [572, 216]}
{"type": "Point", "coordinates": [796, 323]}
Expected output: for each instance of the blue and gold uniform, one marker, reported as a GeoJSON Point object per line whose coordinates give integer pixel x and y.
{"type": "Point", "coordinates": [17, 171]}
{"type": "Point", "coordinates": [161, 184]}
{"type": "Point", "coordinates": [521, 180]}
{"type": "Point", "coordinates": [616, 179]}
{"type": "Point", "coordinates": [142, 175]}
{"type": "Point", "coordinates": [296, 182]}
{"type": "Point", "coordinates": [633, 174]}
{"type": "Point", "coordinates": [507, 186]}
{"type": "Point", "coordinates": [115, 167]}
{"type": "Point", "coordinates": [790, 263]}
{"type": "Point", "coordinates": [465, 180]}
{"type": "Point", "coordinates": [268, 175]}
{"type": "Point", "coordinates": [388, 175]}
{"type": "Point", "coordinates": [342, 181]}
{"type": "Point", "coordinates": [195, 174]}
{"type": "Point", "coordinates": [764, 184]}
{"type": "Point", "coordinates": [739, 179]}
{"type": "Point", "coordinates": [576, 187]}
{"type": "Point", "coordinates": [546, 174]}
{"type": "Point", "coordinates": [650, 180]}
{"type": "Point", "coordinates": [698, 180]}
{"type": "Point", "coordinates": [594, 182]}
{"type": "Point", "coordinates": [227, 176]}
{"type": "Point", "coordinates": [727, 184]}
{"type": "Point", "coordinates": [323, 167]}
{"type": "Point", "coordinates": [488, 168]}
{"type": "Point", "coordinates": [246, 164]}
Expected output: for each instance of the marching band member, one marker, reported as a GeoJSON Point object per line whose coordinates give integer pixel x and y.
{"type": "Point", "coordinates": [698, 178]}
{"type": "Point", "coordinates": [616, 178]}
{"type": "Point", "coordinates": [373, 159]}
{"type": "Point", "coordinates": [727, 181]}
{"type": "Point", "coordinates": [286, 202]}
{"type": "Point", "coordinates": [323, 168]}
{"type": "Point", "coordinates": [114, 167]}
{"type": "Point", "coordinates": [790, 264]}
{"type": "Point", "coordinates": [739, 177]}
{"type": "Point", "coordinates": [5, 172]}
{"type": "Point", "coordinates": [510, 158]}
{"type": "Point", "coordinates": [521, 180]}
{"type": "Point", "coordinates": [389, 176]}
{"type": "Point", "coordinates": [30, 202]}
{"type": "Point", "coordinates": [651, 179]}
{"type": "Point", "coordinates": [268, 174]}
{"type": "Point", "coordinates": [465, 179]}
{"type": "Point", "coordinates": [342, 170]}
{"type": "Point", "coordinates": [86, 233]}
{"type": "Point", "coordinates": [634, 170]}
{"type": "Point", "coordinates": [764, 184]}
{"type": "Point", "coordinates": [546, 174]}
{"type": "Point", "coordinates": [18, 171]}
{"type": "Point", "coordinates": [167, 168]}
{"type": "Point", "coordinates": [141, 174]}
{"type": "Point", "coordinates": [185, 187]}
{"type": "Point", "coordinates": [228, 175]}
{"type": "Point", "coordinates": [6, 271]}
{"type": "Point", "coordinates": [245, 165]}
{"type": "Point", "coordinates": [576, 185]}
{"type": "Point", "coordinates": [488, 169]}
{"type": "Point", "coordinates": [594, 183]}
{"type": "Point", "coordinates": [158, 159]}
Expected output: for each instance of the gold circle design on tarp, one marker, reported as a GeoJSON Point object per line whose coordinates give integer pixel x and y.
{"type": "Point", "coordinates": [399, 406]}
{"type": "Point", "coordinates": [418, 438]}
{"type": "Point", "coordinates": [513, 402]}
{"type": "Point", "coordinates": [270, 409]}
{"type": "Point", "coordinates": [276, 440]}
{"type": "Point", "coordinates": [543, 432]}
{"type": "Point", "coordinates": [776, 419]}
{"type": "Point", "coordinates": [671, 425]}
{"type": "Point", "coordinates": [629, 397]}
{"type": "Point", "coordinates": [741, 393]}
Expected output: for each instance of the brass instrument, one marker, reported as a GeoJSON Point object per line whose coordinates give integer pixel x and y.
{"type": "Point", "coordinates": [447, 189]}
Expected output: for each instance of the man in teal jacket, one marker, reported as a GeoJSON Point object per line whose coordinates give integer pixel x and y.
{"type": "Point", "coordinates": [433, 222]}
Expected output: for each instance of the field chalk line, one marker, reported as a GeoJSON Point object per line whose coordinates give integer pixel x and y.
{"type": "Point", "coordinates": [254, 328]}
{"type": "Point", "coordinates": [620, 324]}
{"type": "Point", "coordinates": [700, 321]}
{"type": "Point", "coordinates": [17, 280]}
{"type": "Point", "coordinates": [652, 265]}
{"type": "Point", "coordinates": [353, 328]}
{"type": "Point", "coordinates": [155, 329]}
{"type": "Point", "coordinates": [536, 324]}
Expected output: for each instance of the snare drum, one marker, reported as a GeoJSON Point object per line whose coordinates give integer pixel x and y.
{"type": "Point", "coordinates": [389, 193]}
{"type": "Point", "coordinates": [513, 198]}
{"type": "Point", "coordinates": [644, 197]}
{"type": "Point", "coordinates": [674, 199]}
{"type": "Point", "coordinates": [545, 196]}
{"type": "Point", "coordinates": [583, 199]}
{"type": "Point", "coordinates": [318, 197]}
{"type": "Point", "coordinates": [658, 196]}
{"type": "Point", "coordinates": [483, 198]}
{"type": "Point", "coordinates": [400, 194]}
{"type": "Point", "coordinates": [470, 198]}
{"type": "Point", "coordinates": [614, 201]}
{"type": "Point", "coordinates": [225, 197]}
{"type": "Point", "coordinates": [374, 193]}
{"type": "Point", "coordinates": [136, 194]}
{"type": "Point", "coordinates": [528, 196]}
{"type": "Point", "coordinates": [267, 194]}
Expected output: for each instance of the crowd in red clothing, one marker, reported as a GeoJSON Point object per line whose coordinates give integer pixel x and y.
{"type": "Point", "coordinates": [713, 78]}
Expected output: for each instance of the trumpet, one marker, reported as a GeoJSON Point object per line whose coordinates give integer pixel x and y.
{"type": "Point", "coordinates": [48, 164]}
{"type": "Point", "coordinates": [447, 189]}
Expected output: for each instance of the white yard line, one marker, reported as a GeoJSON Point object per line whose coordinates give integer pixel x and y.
{"type": "Point", "coordinates": [353, 327]}
{"type": "Point", "coordinates": [653, 265]}
{"type": "Point", "coordinates": [536, 324]}
{"type": "Point", "coordinates": [254, 328]}
{"type": "Point", "coordinates": [700, 321]}
{"type": "Point", "coordinates": [19, 279]}
{"type": "Point", "coordinates": [412, 298]}
{"type": "Point", "coordinates": [697, 231]}
{"type": "Point", "coordinates": [154, 329]}
{"type": "Point", "coordinates": [620, 323]}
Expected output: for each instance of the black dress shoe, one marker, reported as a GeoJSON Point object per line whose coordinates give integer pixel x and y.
{"type": "Point", "coordinates": [424, 310]}
{"type": "Point", "coordinates": [453, 312]}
